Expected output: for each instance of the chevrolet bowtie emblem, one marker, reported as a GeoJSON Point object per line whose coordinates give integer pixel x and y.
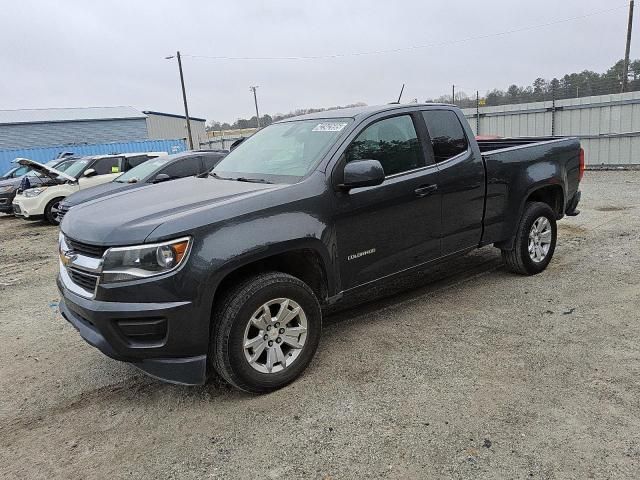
{"type": "Point", "coordinates": [67, 256]}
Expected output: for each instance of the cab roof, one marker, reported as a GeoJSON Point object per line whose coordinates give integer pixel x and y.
{"type": "Point", "coordinates": [359, 112]}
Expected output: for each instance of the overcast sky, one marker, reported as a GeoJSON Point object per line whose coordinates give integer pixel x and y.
{"type": "Point", "coordinates": [91, 53]}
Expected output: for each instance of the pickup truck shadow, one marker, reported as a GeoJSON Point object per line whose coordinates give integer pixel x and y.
{"type": "Point", "coordinates": [418, 283]}
{"type": "Point", "coordinates": [401, 288]}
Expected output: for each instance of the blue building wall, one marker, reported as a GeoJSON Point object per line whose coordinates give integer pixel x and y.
{"type": "Point", "coordinates": [44, 154]}
{"type": "Point", "coordinates": [28, 135]}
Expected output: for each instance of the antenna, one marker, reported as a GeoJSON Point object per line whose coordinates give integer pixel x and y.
{"type": "Point", "coordinates": [400, 96]}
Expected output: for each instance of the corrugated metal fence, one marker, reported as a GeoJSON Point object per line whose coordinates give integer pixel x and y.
{"type": "Point", "coordinates": [44, 154]}
{"type": "Point", "coordinates": [607, 125]}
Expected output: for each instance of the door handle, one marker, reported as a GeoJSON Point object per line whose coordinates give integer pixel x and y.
{"type": "Point", "coordinates": [425, 190]}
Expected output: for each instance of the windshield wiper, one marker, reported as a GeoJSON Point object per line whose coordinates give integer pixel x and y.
{"type": "Point", "coordinates": [239, 179]}
{"type": "Point", "coordinates": [215, 175]}
{"type": "Point", "coordinates": [252, 180]}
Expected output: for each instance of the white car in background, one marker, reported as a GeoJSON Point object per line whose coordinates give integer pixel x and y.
{"type": "Point", "coordinates": [39, 202]}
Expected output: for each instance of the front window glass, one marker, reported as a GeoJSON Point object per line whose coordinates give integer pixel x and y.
{"type": "Point", "coordinates": [143, 170]}
{"type": "Point", "coordinates": [107, 165]}
{"type": "Point", "coordinates": [392, 141]}
{"type": "Point", "coordinates": [287, 149]}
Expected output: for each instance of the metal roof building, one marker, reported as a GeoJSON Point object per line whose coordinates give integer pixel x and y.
{"type": "Point", "coordinates": [168, 125]}
{"type": "Point", "coordinates": [46, 127]}
{"type": "Point", "coordinates": [70, 126]}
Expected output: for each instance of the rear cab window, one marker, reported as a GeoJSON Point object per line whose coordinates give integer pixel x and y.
{"type": "Point", "coordinates": [446, 132]}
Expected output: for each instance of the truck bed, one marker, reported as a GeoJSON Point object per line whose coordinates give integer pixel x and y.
{"type": "Point", "coordinates": [491, 145]}
{"type": "Point", "coordinates": [517, 166]}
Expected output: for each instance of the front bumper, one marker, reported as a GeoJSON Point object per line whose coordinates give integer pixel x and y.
{"type": "Point", "coordinates": [6, 200]}
{"type": "Point", "coordinates": [147, 335]}
{"type": "Point", "coordinates": [27, 208]}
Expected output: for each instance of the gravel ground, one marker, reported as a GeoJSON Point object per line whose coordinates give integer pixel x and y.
{"type": "Point", "coordinates": [463, 372]}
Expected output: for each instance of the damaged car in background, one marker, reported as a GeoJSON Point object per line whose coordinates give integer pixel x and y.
{"type": "Point", "coordinates": [43, 201]}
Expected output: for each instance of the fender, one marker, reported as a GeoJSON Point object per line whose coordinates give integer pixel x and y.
{"type": "Point", "coordinates": [514, 222]}
{"type": "Point", "coordinates": [235, 246]}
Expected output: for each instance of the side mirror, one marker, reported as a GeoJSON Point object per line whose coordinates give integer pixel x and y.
{"type": "Point", "coordinates": [161, 177]}
{"type": "Point", "coordinates": [362, 173]}
{"type": "Point", "coordinates": [90, 172]}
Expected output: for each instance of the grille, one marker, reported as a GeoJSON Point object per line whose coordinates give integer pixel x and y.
{"type": "Point", "coordinates": [16, 209]}
{"type": "Point", "coordinates": [84, 280]}
{"type": "Point", "coordinates": [86, 249]}
{"type": "Point", "coordinates": [62, 210]}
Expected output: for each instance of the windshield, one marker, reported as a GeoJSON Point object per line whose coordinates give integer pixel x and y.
{"type": "Point", "coordinates": [64, 166]}
{"type": "Point", "coordinates": [76, 167]}
{"type": "Point", "coordinates": [287, 149]}
{"type": "Point", "coordinates": [143, 170]}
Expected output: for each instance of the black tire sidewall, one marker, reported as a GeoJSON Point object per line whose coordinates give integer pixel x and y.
{"type": "Point", "coordinates": [47, 211]}
{"type": "Point", "coordinates": [245, 373]}
{"type": "Point", "coordinates": [532, 213]}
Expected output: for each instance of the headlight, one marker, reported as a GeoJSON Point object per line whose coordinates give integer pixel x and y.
{"type": "Point", "coordinates": [129, 263]}
{"type": "Point", "coordinates": [33, 192]}
{"type": "Point", "coordinates": [7, 189]}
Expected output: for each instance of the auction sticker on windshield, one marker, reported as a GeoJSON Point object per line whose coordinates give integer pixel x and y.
{"type": "Point", "coordinates": [329, 127]}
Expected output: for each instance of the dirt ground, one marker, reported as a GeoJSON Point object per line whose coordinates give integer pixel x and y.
{"type": "Point", "coordinates": [462, 372]}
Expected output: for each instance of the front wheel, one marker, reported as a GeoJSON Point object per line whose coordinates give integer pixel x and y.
{"type": "Point", "coordinates": [535, 240]}
{"type": "Point", "coordinates": [266, 331]}
{"type": "Point", "coordinates": [51, 211]}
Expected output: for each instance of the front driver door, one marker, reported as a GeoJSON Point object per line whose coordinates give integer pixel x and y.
{"type": "Point", "coordinates": [390, 227]}
{"type": "Point", "coordinates": [107, 169]}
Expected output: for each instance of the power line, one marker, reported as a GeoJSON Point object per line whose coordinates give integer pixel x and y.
{"type": "Point", "coordinates": [414, 47]}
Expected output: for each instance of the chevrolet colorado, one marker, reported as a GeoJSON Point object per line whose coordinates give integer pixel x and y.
{"type": "Point", "coordinates": [230, 271]}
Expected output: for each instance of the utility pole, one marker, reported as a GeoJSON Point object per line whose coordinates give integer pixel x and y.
{"type": "Point", "coordinates": [255, 100]}
{"type": "Point", "coordinates": [184, 98]}
{"type": "Point", "coordinates": [477, 112]}
{"type": "Point", "coordinates": [553, 110]}
{"type": "Point", "coordinates": [453, 94]}
{"type": "Point", "coordinates": [625, 68]}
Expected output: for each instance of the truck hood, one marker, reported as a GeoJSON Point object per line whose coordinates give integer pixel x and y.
{"type": "Point", "coordinates": [129, 217]}
{"type": "Point", "coordinates": [45, 170]}
{"type": "Point", "coordinates": [99, 191]}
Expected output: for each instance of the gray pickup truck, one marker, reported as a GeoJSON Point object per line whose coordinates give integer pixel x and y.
{"type": "Point", "coordinates": [230, 271]}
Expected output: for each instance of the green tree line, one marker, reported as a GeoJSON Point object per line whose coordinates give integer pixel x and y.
{"type": "Point", "coordinates": [571, 85]}
{"type": "Point", "coordinates": [269, 119]}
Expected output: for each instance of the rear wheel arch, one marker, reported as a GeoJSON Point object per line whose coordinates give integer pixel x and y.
{"type": "Point", "coordinates": [553, 195]}
{"type": "Point", "coordinates": [550, 193]}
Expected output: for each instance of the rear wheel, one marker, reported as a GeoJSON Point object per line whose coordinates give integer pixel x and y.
{"type": "Point", "coordinates": [535, 240]}
{"type": "Point", "coordinates": [51, 211]}
{"type": "Point", "coordinates": [266, 331]}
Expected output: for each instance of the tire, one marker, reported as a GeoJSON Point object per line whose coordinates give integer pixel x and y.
{"type": "Point", "coordinates": [234, 328]}
{"type": "Point", "coordinates": [519, 259]}
{"type": "Point", "coordinates": [51, 211]}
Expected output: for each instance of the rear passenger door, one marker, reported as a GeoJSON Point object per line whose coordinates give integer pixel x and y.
{"type": "Point", "coordinates": [461, 181]}
{"type": "Point", "coordinates": [394, 226]}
